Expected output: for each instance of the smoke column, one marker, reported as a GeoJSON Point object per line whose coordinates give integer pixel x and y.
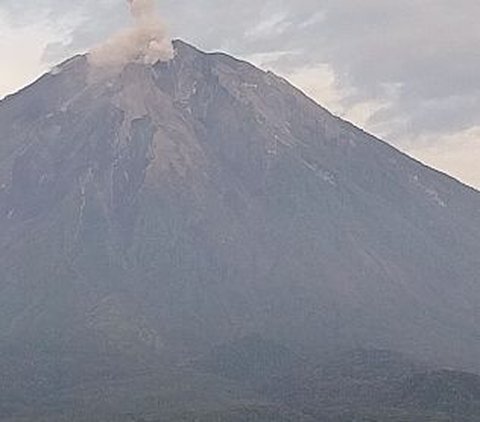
{"type": "Point", "coordinates": [146, 41]}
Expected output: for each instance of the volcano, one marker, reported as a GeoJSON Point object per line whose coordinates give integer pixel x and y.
{"type": "Point", "coordinates": [155, 217]}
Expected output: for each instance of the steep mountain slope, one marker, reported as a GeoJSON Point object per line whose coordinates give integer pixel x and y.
{"type": "Point", "coordinates": [147, 215]}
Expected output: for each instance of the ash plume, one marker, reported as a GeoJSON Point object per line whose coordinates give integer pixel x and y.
{"type": "Point", "coordinates": [146, 41]}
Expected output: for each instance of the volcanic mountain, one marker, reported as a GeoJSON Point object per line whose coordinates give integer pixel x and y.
{"type": "Point", "coordinates": [158, 215]}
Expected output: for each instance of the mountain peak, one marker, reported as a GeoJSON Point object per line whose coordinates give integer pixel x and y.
{"type": "Point", "coordinates": [153, 213]}
{"type": "Point", "coordinates": [181, 45]}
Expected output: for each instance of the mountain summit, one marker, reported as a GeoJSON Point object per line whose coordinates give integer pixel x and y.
{"type": "Point", "coordinates": [152, 214]}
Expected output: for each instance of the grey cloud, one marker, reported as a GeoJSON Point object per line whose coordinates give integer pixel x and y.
{"type": "Point", "coordinates": [429, 49]}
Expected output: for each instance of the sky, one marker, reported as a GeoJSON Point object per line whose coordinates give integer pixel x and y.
{"type": "Point", "coordinates": [407, 71]}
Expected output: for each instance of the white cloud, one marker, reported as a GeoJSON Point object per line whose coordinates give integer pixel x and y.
{"type": "Point", "coordinates": [273, 25]}
{"type": "Point", "coordinates": [457, 155]}
{"type": "Point", "coordinates": [21, 50]}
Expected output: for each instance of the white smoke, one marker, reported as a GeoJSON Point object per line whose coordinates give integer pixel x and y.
{"type": "Point", "coordinates": [146, 41]}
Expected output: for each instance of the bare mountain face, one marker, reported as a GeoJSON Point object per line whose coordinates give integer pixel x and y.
{"type": "Point", "coordinates": [148, 215]}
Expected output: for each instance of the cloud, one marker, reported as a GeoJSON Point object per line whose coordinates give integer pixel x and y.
{"type": "Point", "coordinates": [455, 154]}
{"type": "Point", "coordinates": [21, 49]}
{"type": "Point", "coordinates": [146, 41]}
{"type": "Point", "coordinates": [428, 52]}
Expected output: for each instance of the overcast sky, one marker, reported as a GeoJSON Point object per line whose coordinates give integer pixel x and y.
{"type": "Point", "coordinates": [408, 71]}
